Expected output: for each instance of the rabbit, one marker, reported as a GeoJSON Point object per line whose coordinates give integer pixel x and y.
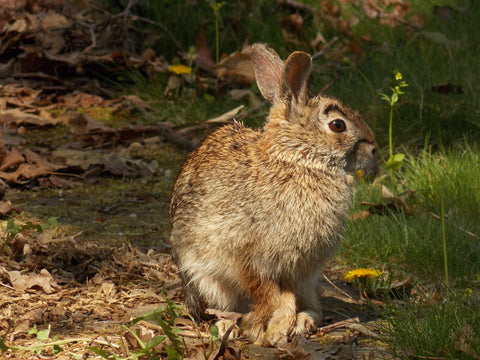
{"type": "Point", "coordinates": [256, 213]}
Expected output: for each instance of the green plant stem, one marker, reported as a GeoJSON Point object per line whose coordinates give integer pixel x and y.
{"type": "Point", "coordinates": [390, 138]}
{"type": "Point", "coordinates": [217, 38]}
{"type": "Point", "coordinates": [444, 240]}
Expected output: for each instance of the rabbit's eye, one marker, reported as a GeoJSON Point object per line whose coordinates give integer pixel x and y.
{"type": "Point", "coordinates": [337, 126]}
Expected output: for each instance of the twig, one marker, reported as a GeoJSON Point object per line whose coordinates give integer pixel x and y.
{"type": "Point", "coordinates": [329, 84]}
{"type": "Point", "coordinates": [223, 344]}
{"type": "Point", "coordinates": [161, 26]}
{"type": "Point", "coordinates": [246, 113]}
{"type": "Point", "coordinates": [91, 28]}
{"type": "Point", "coordinates": [225, 118]}
{"type": "Point", "coordinates": [125, 14]}
{"type": "Point", "coordinates": [7, 286]}
{"type": "Point", "coordinates": [362, 329]}
{"type": "Point", "coordinates": [325, 48]}
{"type": "Point", "coordinates": [336, 287]}
{"type": "Point", "coordinates": [67, 175]}
{"type": "Point", "coordinates": [228, 117]}
{"type": "Point", "coordinates": [340, 324]}
{"type": "Point", "coordinates": [176, 138]}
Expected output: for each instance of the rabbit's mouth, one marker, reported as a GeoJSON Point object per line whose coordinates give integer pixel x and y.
{"type": "Point", "coordinates": [363, 157]}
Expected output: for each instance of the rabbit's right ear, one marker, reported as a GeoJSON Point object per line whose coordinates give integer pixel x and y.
{"type": "Point", "coordinates": [268, 71]}
{"type": "Point", "coordinates": [296, 73]}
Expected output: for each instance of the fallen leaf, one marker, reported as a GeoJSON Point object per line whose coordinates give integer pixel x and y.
{"type": "Point", "coordinates": [293, 350]}
{"type": "Point", "coordinates": [21, 282]}
{"type": "Point", "coordinates": [238, 65]}
{"type": "Point", "coordinates": [53, 20]}
{"type": "Point", "coordinates": [292, 26]}
{"type": "Point", "coordinates": [20, 117]}
{"type": "Point", "coordinates": [203, 57]}
{"type": "Point", "coordinates": [81, 99]}
{"type": "Point", "coordinates": [6, 208]}
{"type": "Point", "coordinates": [78, 158]}
{"type": "Point", "coordinates": [362, 215]}
{"type": "Point", "coordinates": [180, 69]}
{"type": "Point", "coordinates": [227, 315]}
{"type": "Point", "coordinates": [12, 159]}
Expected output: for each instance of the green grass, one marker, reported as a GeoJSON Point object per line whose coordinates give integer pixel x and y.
{"type": "Point", "coordinates": [443, 330]}
{"type": "Point", "coordinates": [399, 240]}
{"type": "Point", "coordinates": [408, 245]}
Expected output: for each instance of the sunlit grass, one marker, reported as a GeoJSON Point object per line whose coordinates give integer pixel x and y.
{"type": "Point", "coordinates": [446, 329]}
{"type": "Point", "coordinates": [412, 241]}
{"type": "Point", "coordinates": [406, 244]}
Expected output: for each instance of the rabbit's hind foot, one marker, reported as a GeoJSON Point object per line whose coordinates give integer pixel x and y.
{"type": "Point", "coordinates": [307, 321]}
{"type": "Point", "coordinates": [278, 323]}
{"type": "Point", "coordinates": [252, 328]}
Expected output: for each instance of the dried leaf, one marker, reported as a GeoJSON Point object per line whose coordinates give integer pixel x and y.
{"type": "Point", "coordinates": [362, 215]}
{"type": "Point", "coordinates": [238, 65]}
{"type": "Point", "coordinates": [77, 158]}
{"type": "Point", "coordinates": [6, 208]}
{"type": "Point", "coordinates": [203, 57]}
{"type": "Point", "coordinates": [21, 282]}
{"type": "Point", "coordinates": [81, 99]}
{"type": "Point", "coordinates": [19, 117]}
{"type": "Point", "coordinates": [12, 159]}
{"type": "Point", "coordinates": [227, 315]}
{"type": "Point", "coordinates": [53, 20]}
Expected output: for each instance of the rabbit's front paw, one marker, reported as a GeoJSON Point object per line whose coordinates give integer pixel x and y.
{"type": "Point", "coordinates": [251, 328]}
{"type": "Point", "coordinates": [280, 326]}
{"type": "Point", "coordinates": [275, 336]}
{"type": "Point", "coordinates": [307, 321]}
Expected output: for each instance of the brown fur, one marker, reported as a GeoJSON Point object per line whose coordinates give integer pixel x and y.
{"type": "Point", "coordinates": [255, 214]}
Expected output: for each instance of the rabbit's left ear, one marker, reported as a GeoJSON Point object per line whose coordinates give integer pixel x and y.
{"type": "Point", "coordinates": [296, 73]}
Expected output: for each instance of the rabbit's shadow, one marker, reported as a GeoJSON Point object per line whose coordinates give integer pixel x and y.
{"type": "Point", "coordinates": [342, 301]}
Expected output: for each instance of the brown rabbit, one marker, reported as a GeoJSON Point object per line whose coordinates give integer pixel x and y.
{"type": "Point", "coordinates": [255, 214]}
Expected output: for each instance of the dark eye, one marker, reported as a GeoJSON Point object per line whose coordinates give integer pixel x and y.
{"type": "Point", "coordinates": [337, 126]}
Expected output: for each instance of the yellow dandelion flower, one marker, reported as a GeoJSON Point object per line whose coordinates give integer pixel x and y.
{"type": "Point", "coordinates": [180, 69]}
{"type": "Point", "coordinates": [361, 273]}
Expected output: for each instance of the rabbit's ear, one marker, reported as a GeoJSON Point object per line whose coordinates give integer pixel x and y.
{"type": "Point", "coordinates": [268, 71]}
{"type": "Point", "coordinates": [296, 73]}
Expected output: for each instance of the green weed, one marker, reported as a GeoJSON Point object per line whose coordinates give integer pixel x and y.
{"type": "Point", "coordinates": [44, 342]}
{"type": "Point", "coordinates": [447, 329]}
{"type": "Point", "coordinates": [13, 229]}
{"type": "Point", "coordinates": [164, 316]}
{"type": "Point", "coordinates": [394, 161]}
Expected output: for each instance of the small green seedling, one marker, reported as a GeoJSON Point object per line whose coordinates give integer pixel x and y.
{"type": "Point", "coordinates": [395, 161]}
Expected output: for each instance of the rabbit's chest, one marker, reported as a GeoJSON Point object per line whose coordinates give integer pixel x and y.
{"type": "Point", "coordinates": [307, 214]}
